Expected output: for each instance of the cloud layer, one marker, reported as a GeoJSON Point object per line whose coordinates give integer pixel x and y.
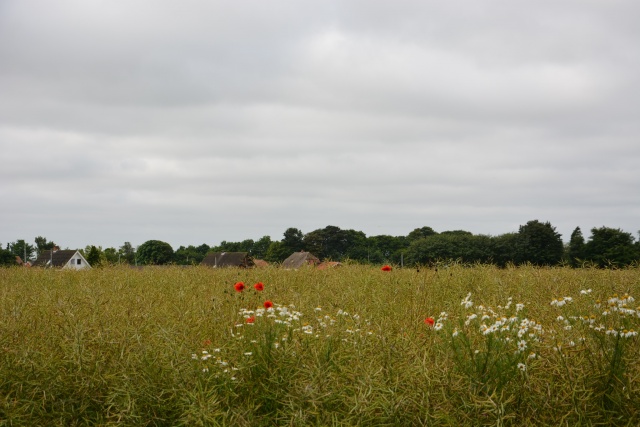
{"type": "Point", "coordinates": [201, 121]}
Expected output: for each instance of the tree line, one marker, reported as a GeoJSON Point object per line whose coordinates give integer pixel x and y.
{"type": "Point", "coordinates": [535, 242]}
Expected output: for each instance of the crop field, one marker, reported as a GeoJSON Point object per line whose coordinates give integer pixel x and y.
{"type": "Point", "coordinates": [355, 345]}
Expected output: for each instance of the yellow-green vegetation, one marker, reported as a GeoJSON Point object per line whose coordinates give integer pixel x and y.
{"type": "Point", "coordinates": [349, 346]}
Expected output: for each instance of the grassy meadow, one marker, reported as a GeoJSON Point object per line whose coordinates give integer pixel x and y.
{"type": "Point", "coordinates": [350, 346]}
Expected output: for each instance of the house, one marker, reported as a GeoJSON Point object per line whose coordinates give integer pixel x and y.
{"type": "Point", "coordinates": [66, 259]}
{"type": "Point", "coordinates": [300, 259]}
{"type": "Point", "coordinates": [228, 259]}
{"type": "Point", "coordinates": [260, 263]}
{"type": "Point", "coordinates": [328, 264]}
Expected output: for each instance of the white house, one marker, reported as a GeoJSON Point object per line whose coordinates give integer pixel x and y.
{"type": "Point", "coordinates": [65, 259]}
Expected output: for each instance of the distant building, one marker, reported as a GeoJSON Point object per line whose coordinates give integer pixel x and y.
{"type": "Point", "coordinates": [260, 263]}
{"type": "Point", "coordinates": [300, 259]}
{"type": "Point", "coordinates": [228, 259]}
{"type": "Point", "coordinates": [328, 264]}
{"type": "Point", "coordinates": [65, 259]}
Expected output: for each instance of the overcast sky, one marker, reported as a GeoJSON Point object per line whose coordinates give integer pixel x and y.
{"type": "Point", "coordinates": [197, 121]}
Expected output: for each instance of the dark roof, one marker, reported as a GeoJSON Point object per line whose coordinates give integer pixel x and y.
{"type": "Point", "coordinates": [59, 259]}
{"type": "Point", "coordinates": [300, 259]}
{"type": "Point", "coordinates": [227, 259]}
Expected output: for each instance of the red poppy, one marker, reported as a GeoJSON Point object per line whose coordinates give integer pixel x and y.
{"type": "Point", "coordinates": [206, 342]}
{"type": "Point", "coordinates": [259, 286]}
{"type": "Point", "coordinates": [429, 321]}
{"type": "Point", "coordinates": [386, 268]}
{"type": "Point", "coordinates": [268, 304]}
{"type": "Point", "coordinates": [251, 319]}
{"type": "Point", "coordinates": [239, 287]}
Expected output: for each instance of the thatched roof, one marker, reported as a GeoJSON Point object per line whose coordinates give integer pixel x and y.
{"type": "Point", "coordinates": [227, 259]}
{"type": "Point", "coordinates": [260, 263]}
{"type": "Point", "coordinates": [300, 259]}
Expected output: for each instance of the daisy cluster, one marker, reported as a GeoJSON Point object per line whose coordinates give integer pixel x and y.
{"type": "Point", "coordinates": [505, 325]}
{"type": "Point", "coordinates": [616, 316]}
{"type": "Point", "coordinates": [210, 359]}
{"type": "Point", "coordinates": [504, 322]}
{"type": "Point", "coordinates": [286, 326]}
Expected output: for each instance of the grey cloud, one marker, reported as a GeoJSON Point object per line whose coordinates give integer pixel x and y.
{"type": "Point", "coordinates": [206, 121]}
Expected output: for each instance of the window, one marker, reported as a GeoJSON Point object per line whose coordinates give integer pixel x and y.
{"type": "Point", "coordinates": [79, 261]}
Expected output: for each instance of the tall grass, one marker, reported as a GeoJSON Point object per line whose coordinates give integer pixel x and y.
{"type": "Point", "coordinates": [176, 346]}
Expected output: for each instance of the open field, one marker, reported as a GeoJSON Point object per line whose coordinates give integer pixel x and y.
{"type": "Point", "coordinates": [350, 346]}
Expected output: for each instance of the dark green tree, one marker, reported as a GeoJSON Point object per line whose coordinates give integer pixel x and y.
{"type": "Point", "coordinates": [244, 246]}
{"type": "Point", "coordinates": [539, 244]}
{"type": "Point", "coordinates": [443, 247]}
{"type": "Point", "coordinates": [20, 248]}
{"type": "Point", "coordinates": [154, 252]}
{"type": "Point", "coordinates": [93, 256]}
{"type": "Point", "coordinates": [43, 245]}
{"type": "Point", "coordinates": [503, 249]}
{"type": "Point", "coordinates": [110, 255]}
{"type": "Point", "coordinates": [6, 257]}
{"type": "Point", "coordinates": [611, 247]}
{"type": "Point", "coordinates": [190, 255]}
{"type": "Point", "coordinates": [127, 253]}
{"type": "Point", "coordinates": [420, 233]}
{"type": "Point", "coordinates": [260, 247]}
{"type": "Point", "coordinates": [293, 240]}
{"type": "Point", "coordinates": [277, 252]}
{"type": "Point", "coordinates": [575, 253]}
{"type": "Point", "coordinates": [385, 249]}
{"type": "Point", "coordinates": [335, 244]}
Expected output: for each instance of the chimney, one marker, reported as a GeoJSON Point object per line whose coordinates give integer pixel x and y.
{"type": "Point", "coordinates": [56, 248]}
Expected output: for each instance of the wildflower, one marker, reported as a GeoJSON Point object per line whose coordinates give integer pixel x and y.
{"type": "Point", "coordinates": [248, 353]}
{"type": "Point", "coordinates": [206, 343]}
{"type": "Point", "coordinates": [455, 333]}
{"type": "Point", "coordinates": [251, 319]}
{"type": "Point", "coordinates": [438, 326]}
{"type": "Point", "coordinates": [429, 321]}
{"type": "Point", "coordinates": [470, 318]}
{"type": "Point", "coordinates": [467, 301]}
{"type": "Point", "coordinates": [268, 304]}
{"type": "Point", "coordinates": [259, 286]}
{"type": "Point", "coordinates": [585, 292]}
{"type": "Point", "coordinates": [522, 345]}
{"type": "Point", "coordinates": [519, 307]}
{"type": "Point", "coordinates": [386, 268]}
{"type": "Point", "coordinates": [239, 287]}
{"type": "Point", "coordinates": [522, 367]}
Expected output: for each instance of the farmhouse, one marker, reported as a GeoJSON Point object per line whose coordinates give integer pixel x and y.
{"type": "Point", "coordinates": [228, 259]}
{"type": "Point", "coordinates": [300, 259]}
{"type": "Point", "coordinates": [65, 259]}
